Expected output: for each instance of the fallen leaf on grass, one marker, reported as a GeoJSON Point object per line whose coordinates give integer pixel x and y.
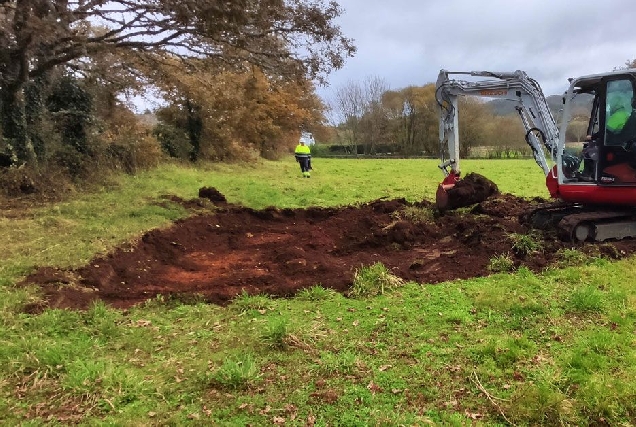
{"type": "Point", "coordinates": [374, 388]}
{"type": "Point", "coordinates": [142, 323]}
{"type": "Point", "coordinates": [474, 415]}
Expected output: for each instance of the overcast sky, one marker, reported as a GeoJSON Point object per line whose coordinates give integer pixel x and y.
{"type": "Point", "coordinates": [406, 42]}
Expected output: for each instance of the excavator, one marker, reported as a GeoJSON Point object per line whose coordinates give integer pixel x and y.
{"type": "Point", "coordinates": [595, 189]}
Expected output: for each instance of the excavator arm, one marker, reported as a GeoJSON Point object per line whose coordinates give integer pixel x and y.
{"type": "Point", "coordinates": [542, 133]}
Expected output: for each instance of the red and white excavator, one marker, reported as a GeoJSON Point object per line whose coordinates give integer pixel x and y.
{"type": "Point", "coordinates": [597, 188]}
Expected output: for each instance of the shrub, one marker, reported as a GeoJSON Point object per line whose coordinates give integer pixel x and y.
{"type": "Point", "coordinates": [173, 141]}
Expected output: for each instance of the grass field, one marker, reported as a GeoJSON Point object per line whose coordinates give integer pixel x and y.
{"type": "Point", "coordinates": [556, 348]}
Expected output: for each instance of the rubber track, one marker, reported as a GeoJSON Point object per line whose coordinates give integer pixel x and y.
{"type": "Point", "coordinates": [568, 224]}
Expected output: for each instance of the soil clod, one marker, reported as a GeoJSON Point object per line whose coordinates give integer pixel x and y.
{"type": "Point", "coordinates": [474, 188]}
{"type": "Point", "coordinates": [212, 194]}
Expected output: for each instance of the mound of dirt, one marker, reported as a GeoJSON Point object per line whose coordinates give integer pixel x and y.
{"type": "Point", "coordinates": [474, 188]}
{"type": "Point", "coordinates": [218, 255]}
{"type": "Point", "coordinates": [212, 194]}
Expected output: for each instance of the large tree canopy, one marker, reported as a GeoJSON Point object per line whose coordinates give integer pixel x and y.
{"type": "Point", "coordinates": [287, 38]}
{"type": "Point", "coordinates": [36, 35]}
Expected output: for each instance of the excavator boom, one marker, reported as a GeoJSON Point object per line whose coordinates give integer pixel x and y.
{"type": "Point", "coordinates": [530, 104]}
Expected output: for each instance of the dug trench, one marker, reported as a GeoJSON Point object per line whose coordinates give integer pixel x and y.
{"type": "Point", "coordinates": [229, 249]}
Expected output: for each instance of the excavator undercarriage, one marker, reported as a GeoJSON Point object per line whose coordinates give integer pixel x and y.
{"type": "Point", "coordinates": [578, 223]}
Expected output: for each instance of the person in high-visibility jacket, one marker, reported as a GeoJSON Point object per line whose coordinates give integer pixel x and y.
{"type": "Point", "coordinates": [303, 157]}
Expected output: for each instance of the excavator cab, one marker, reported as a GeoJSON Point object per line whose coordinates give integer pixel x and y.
{"type": "Point", "coordinates": [616, 137]}
{"type": "Point", "coordinates": [609, 151]}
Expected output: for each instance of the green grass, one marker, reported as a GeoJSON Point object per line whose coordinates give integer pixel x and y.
{"type": "Point", "coordinates": [373, 280]}
{"type": "Point", "coordinates": [555, 348]}
{"type": "Point", "coordinates": [525, 244]}
{"type": "Point", "coordinates": [501, 263]}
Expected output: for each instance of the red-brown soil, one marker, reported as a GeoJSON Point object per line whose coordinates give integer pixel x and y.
{"type": "Point", "coordinates": [219, 254]}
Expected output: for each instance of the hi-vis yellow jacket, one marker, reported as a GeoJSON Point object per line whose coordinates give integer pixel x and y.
{"type": "Point", "coordinates": [302, 150]}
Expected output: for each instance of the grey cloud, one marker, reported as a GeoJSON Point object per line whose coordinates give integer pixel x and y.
{"type": "Point", "coordinates": [406, 42]}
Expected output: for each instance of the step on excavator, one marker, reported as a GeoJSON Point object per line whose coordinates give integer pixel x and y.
{"type": "Point", "coordinates": [595, 189]}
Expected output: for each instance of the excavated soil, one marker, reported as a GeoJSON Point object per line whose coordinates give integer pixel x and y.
{"type": "Point", "coordinates": [233, 249]}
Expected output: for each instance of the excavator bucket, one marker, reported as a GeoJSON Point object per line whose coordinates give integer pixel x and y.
{"type": "Point", "coordinates": [455, 193]}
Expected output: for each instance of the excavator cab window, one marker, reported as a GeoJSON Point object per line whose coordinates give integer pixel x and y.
{"type": "Point", "coordinates": [618, 111]}
{"type": "Point", "coordinates": [617, 163]}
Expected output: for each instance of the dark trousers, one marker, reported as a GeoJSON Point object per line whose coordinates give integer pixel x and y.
{"type": "Point", "coordinates": [304, 161]}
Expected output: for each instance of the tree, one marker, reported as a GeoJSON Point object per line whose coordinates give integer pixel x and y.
{"type": "Point", "coordinates": [577, 130]}
{"type": "Point", "coordinates": [374, 118]}
{"type": "Point", "coordinates": [226, 114]}
{"type": "Point", "coordinates": [630, 63]}
{"type": "Point", "coordinates": [284, 38]}
{"type": "Point", "coordinates": [413, 114]}
{"type": "Point", "coordinates": [359, 105]}
{"type": "Point", "coordinates": [504, 135]}
{"type": "Point", "coordinates": [472, 118]}
{"type": "Point", "coordinates": [349, 104]}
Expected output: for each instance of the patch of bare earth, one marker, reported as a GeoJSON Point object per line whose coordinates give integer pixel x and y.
{"type": "Point", "coordinates": [218, 255]}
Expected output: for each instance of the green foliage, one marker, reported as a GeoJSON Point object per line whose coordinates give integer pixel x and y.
{"type": "Point", "coordinates": [586, 300]}
{"type": "Point", "coordinates": [525, 244]}
{"type": "Point", "coordinates": [501, 263]}
{"type": "Point", "coordinates": [236, 373]}
{"type": "Point", "coordinates": [71, 106]}
{"type": "Point", "coordinates": [244, 302]}
{"type": "Point", "coordinates": [571, 257]}
{"type": "Point", "coordinates": [174, 142]}
{"type": "Point", "coordinates": [276, 334]}
{"type": "Point", "coordinates": [34, 109]}
{"type": "Point", "coordinates": [373, 280]}
{"type": "Point", "coordinates": [13, 123]}
{"type": "Point", "coordinates": [315, 293]}
{"type": "Point", "coordinates": [417, 214]}
{"type": "Point", "coordinates": [320, 150]}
